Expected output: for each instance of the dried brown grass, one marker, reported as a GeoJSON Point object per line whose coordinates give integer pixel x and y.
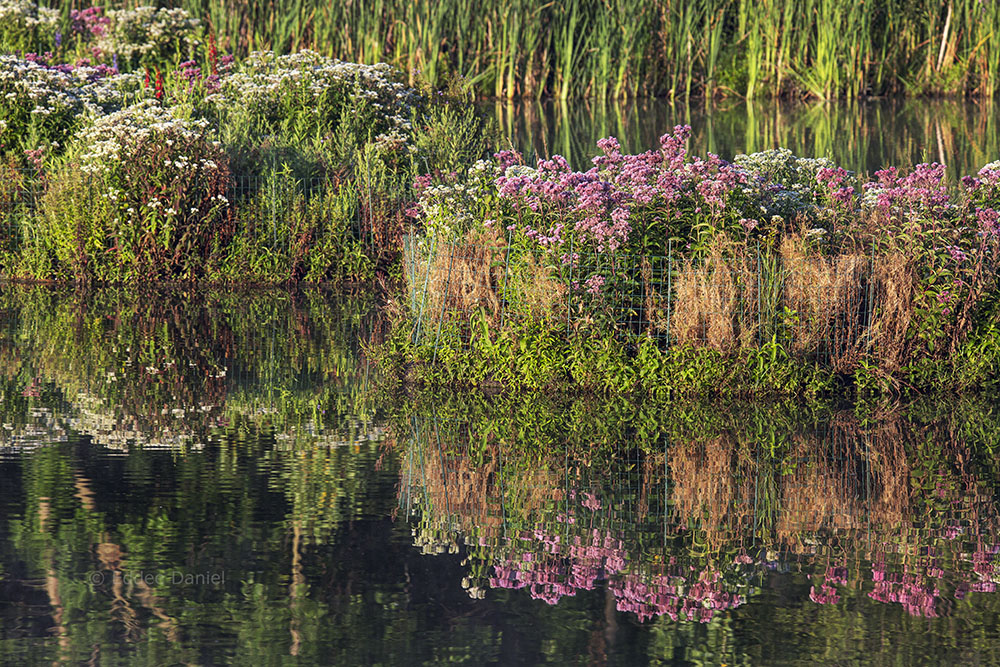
{"type": "Point", "coordinates": [841, 307]}
{"type": "Point", "coordinates": [894, 290]}
{"type": "Point", "coordinates": [459, 277]}
{"type": "Point", "coordinates": [827, 295]}
{"type": "Point", "coordinates": [535, 291]}
{"type": "Point", "coordinates": [452, 280]}
{"type": "Point", "coordinates": [716, 300]}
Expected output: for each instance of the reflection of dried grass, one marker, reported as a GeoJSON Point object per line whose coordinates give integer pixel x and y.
{"type": "Point", "coordinates": [716, 487]}
{"type": "Point", "coordinates": [709, 481]}
{"type": "Point", "coordinates": [828, 297]}
{"type": "Point", "coordinates": [890, 468]}
{"type": "Point", "coordinates": [715, 304]}
{"type": "Point", "coordinates": [821, 493]}
{"type": "Point", "coordinates": [467, 495]}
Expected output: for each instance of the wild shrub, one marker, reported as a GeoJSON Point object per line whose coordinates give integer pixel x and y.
{"type": "Point", "coordinates": [142, 195]}
{"type": "Point", "coordinates": [768, 250]}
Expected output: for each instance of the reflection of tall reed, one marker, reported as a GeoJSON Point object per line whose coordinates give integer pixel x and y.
{"type": "Point", "coordinates": [860, 136]}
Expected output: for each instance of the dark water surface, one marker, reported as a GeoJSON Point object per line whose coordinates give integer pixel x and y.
{"type": "Point", "coordinates": [203, 478]}
{"type": "Point", "coordinates": [862, 136]}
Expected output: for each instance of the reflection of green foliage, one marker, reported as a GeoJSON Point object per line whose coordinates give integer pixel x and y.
{"type": "Point", "coordinates": [135, 367]}
{"type": "Point", "coordinates": [540, 356]}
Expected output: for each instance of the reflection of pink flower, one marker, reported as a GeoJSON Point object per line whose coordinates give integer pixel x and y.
{"type": "Point", "coordinates": [825, 595]}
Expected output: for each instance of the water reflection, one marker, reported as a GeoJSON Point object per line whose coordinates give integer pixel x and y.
{"type": "Point", "coordinates": [862, 137]}
{"type": "Point", "coordinates": [721, 510]}
{"type": "Point", "coordinates": [164, 370]}
{"type": "Point", "coordinates": [205, 477]}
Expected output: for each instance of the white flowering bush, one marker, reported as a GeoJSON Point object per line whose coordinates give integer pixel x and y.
{"type": "Point", "coordinates": [24, 26]}
{"type": "Point", "coordinates": [149, 36]}
{"type": "Point", "coordinates": [304, 95]}
{"type": "Point", "coordinates": [143, 194]}
{"type": "Point", "coordinates": [43, 104]}
{"type": "Point", "coordinates": [790, 182]}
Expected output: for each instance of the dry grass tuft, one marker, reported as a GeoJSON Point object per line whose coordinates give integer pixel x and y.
{"type": "Point", "coordinates": [448, 279]}
{"type": "Point", "coordinates": [894, 287]}
{"type": "Point", "coordinates": [535, 291]}
{"type": "Point", "coordinates": [716, 301]}
{"type": "Point", "coordinates": [470, 275]}
{"type": "Point", "coordinates": [827, 295]}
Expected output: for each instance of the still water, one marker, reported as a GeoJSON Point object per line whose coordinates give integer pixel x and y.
{"type": "Point", "coordinates": [214, 477]}
{"type": "Point", "coordinates": [862, 136]}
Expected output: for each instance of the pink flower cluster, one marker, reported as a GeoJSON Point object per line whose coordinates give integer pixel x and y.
{"type": "Point", "coordinates": [597, 206]}
{"type": "Point", "coordinates": [921, 193]}
{"type": "Point", "coordinates": [989, 222]}
{"type": "Point", "coordinates": [835, 179]}
{"type": "Point", "coordinates": [988, 179]}
{"type": "Point", "coordinates": [190, 72]}
{"type": "Point", "coordinates": [89, 22]}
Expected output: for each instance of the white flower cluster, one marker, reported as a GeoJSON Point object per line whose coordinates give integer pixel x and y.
{"type": "Point", "coordinates": [449, 210]}
{"type": "Point", "coordinates": [781, 166]}
{"type": "Point", "coordinates": [394, 141]}
{"type": "Point", "coordinates": [263, 82]}
{"type": "Point", "coordinates": [517, 170]}
{"type": "Point", "coordinates": [795, 178]}
{"type": "Point", "coordinates": [46, 90]}
{"type": "Point", "coordinates": [989, 168]}
{"type": "Point", "coordinates": [105, 141]}
{"type": "Point", "coordinates": [148, 31]}
{"type": "Point", "coordinates": [23, 15]}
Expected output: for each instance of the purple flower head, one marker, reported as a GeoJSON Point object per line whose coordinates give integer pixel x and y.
{"type": "Point", "coordinates": [989, 222]}
{"type": "Point", "coordinates": [508, 159]}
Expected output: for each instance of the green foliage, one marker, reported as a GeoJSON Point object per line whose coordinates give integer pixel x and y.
{"type": "Point", "coordinates": [537, 356]}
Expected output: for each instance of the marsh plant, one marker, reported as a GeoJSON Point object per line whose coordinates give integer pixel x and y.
{"type": "Point", "coordinates": [578, 48]}
{"type": "Point", "coordinates": [142, 194]}
{"type": "Point", "coordinates": [271, 169]}
{"type": "Point", "coordinates": [701, 252]}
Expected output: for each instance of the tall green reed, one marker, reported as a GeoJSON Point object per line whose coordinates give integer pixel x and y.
{"type": "Point", "coordinates": [620, 48]}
